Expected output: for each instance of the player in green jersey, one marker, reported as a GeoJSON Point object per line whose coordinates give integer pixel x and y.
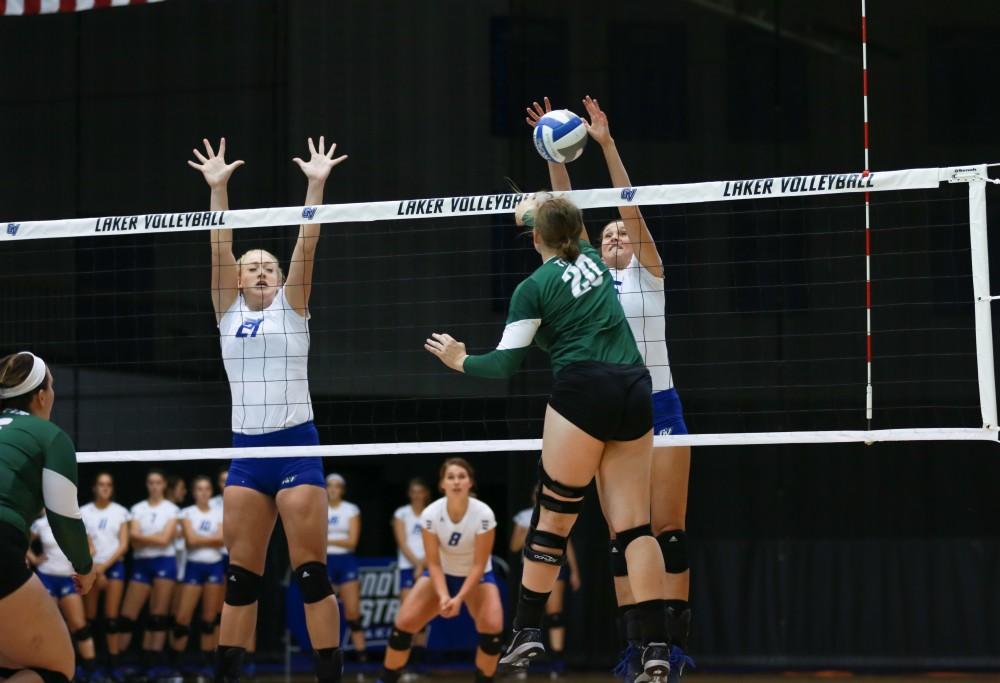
{"type": "Point", "coordinates": [37, 469]}
{"type": "Point", "coordinates": [598, 422]}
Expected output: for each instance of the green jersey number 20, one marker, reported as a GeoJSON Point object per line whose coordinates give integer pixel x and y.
{"type": "Point", "coordinates": [582, 275]}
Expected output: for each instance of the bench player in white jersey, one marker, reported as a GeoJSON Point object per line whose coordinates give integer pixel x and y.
{"type": "Point", "coordinates": [410, 560]}
{"type": "Point", "coordinates": [458, 532]}
{"type": "Point", "coordinates": [203, 577]}
{"type": "Point", "coordinates": [408, 532]}
{"type": "Point", "coordinates": [107, 525]}
{"type": "Point", "coordinates": [263, 323]}
{"type": "Point", "coordinates": [56, 573]}
{"type": "Point", "coordinates": [154, 571]}
{"type": "Point", "coordinates": [568, 573]}
{"type": "Point", "coordinates": [343, 532]}
{"type": "Point", "coordinates": [629, 251]}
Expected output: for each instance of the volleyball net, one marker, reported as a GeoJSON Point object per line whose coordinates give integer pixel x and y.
{"type": "Point", "coordinates": [767, 316]}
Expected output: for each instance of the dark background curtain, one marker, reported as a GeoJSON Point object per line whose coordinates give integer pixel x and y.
{"type": "Point", "coordinates": [813, 555]}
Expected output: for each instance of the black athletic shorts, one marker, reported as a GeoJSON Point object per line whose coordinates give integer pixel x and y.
{"type": "Point", "coordinates": [610, 402]}
{"type": "Point", "coordinates": [14, 571]}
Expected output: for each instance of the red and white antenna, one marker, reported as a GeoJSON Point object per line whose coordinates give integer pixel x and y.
{"type": "Point", "coordinates": [868, 227]}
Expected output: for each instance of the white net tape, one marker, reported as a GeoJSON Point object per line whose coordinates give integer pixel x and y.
{"type": "Point", "coordinates": [694, 193]}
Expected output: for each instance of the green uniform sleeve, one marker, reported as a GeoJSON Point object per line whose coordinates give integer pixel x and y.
{"type": "Point", "coordinates": [59, 481]}
{"type": "Point", "coordinates": [523, 321]}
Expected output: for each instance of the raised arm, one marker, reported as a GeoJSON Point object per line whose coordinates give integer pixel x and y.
{"type": "Point", "coordinates": [225, 273]}
{"type": "Point", "coordinates": [298, 286]}
{"type": "Point", "coordinates": [635, 224]}
{"type": "Point", "coordinates": [558, 173]}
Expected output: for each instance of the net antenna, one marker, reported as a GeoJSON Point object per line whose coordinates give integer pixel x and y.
{"type": "Point", "coordinates": [868, 224]}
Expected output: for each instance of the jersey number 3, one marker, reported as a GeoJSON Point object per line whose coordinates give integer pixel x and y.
{"type": "Point", "coordinates": [455, 538]}
{"type": "Point", "coordinates": [582, 275]}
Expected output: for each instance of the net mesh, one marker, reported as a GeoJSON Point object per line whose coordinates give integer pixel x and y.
{"type": "Point", "coordinates": [765, 322]}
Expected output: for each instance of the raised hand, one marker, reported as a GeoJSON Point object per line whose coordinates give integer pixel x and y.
{"type": "Point", "coordinates": [536, 112]}
{"type": "Point", "coordinates": [321, 161]}
{"type": "Point", "coordinates": [598, 124]}
{"type": "Point", "coordinates": [448, 350]}
{"type": "Point", "coordinates": [213, 166]}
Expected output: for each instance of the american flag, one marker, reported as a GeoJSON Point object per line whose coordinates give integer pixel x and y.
{"type": "Point", "coordinates": [27, 7]}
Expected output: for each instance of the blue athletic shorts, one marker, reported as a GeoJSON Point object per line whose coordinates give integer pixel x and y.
{"type": "Point", "coordinates": [200, 573]}
{"type": "Point", "coordinates": [57, 586]}
{"type": "Point", "coordinates": [116, 572]}
{"type": "Point", "coordinates": [147, 569]}
{"type": "Point", "coordinates": [455, 582]}
{"type": "Point", "coordinates": [270, 475]}
{"type": "Point", "coordinates": [563, 573]}
{"type": "Point", "coordinates": [342, 568]}
{"type": "Point", "coordinates": [668, 415]}
{"type": "Point", "coordinates": [405, 579]}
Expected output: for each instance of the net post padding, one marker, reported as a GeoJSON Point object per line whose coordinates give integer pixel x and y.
{"type": "Point", "coordinates": [534, 445]}
{"type": "Point", "coordinates": [980, 254]}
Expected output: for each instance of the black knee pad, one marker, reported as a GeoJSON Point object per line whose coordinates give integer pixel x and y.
{"type": "Point", "coordinates": [49, 676]}
{"type": "Point", "coordinates": [400, 640]}
{"type": "Point", "coordinates": [218, 619]}
{"type": "Point", "coordinates": [206, 626]}
{"type": "Point", "coordinates": [618, 565]}
{"type": "Point", "coordinates": [229, 662]}
{"type": "Point", "coordinates": [673, 544]}
{"type": "Point", "coordinates": [353, 624]}
{"type": "Point", "coordinates": [112, 626]}
{"type": "Point", "coordinates": [242, 586]}
{"type": "Point", "coordinates": [181, 631]}
{"type": "Point", "coordinates": [313, 582]}
{"type": "Point", "coordinates": [624, 538]}
{"type": "Point", "coordinates": [491, 643]}
{"type": "Point", "coordinates": [158, 623]}
{"type": "Point", "coordinates": [329, 664]}
{"type": "Point", "coordinates": [125, 625]}
{"type": "Point", "coordinates": [555, 620]}
{"type": "Point", "coordinates": [84, 633]}
{"type": "Point", "coordinates": [539, 538]}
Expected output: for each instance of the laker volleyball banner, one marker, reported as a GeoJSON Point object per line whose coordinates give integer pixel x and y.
{"type": "Point", "coordinates": [16, 8]}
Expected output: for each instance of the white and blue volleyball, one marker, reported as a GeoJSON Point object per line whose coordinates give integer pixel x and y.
{"type": "Point", "coordinates": [560, 136]}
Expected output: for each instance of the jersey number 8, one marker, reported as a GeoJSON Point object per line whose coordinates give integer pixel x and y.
{"type": "Point", "coordinates": [455, 538]}
{"type": "Point", "coordinates": [582, 275]}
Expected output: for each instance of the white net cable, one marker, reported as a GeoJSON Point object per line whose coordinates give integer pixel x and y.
{"type": "Point", "coordinates": [762, 279]}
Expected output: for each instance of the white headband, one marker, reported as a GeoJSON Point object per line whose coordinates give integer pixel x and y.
{"type": "Point", "coordinates": [30, 383]}
{"type": "Point", "coordinates": [333, 476]}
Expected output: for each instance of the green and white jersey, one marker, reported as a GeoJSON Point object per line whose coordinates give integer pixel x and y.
{"type": "Point", "coordinates": [38, 468]}
{"type": "Point", "coordinates": [571, 311]}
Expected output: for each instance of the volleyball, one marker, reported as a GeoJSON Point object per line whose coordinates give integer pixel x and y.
{"type": "Point", "coordinates": [560, 136]}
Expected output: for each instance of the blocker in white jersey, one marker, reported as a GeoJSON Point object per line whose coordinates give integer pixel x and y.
{"type": "Point", "coordinates": [266, 355]}
{"type": "Point", "coordinates": [644, 301]}
{"type": "Point", "coordinates": [458, 539]}
{"type": "Point", "coordinates": [104, 528]}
